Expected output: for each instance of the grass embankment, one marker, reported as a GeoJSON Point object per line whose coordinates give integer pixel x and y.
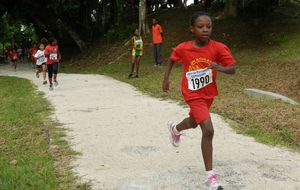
{"type": "Point", "coordinates": [268, 58]}
{"type": "Point", "coordinates": [27, 161]}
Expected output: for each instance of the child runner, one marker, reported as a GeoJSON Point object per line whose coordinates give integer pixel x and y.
{"type": "Point", "coordinates": [14, 56]}
{"type": "Point", "coordinates": [32, 51]}
{"type": "Point", "coordinates": [202, 58]}
{"type": "Point", "coordinates": [41, 62]}
{"type": "Point", "coordinates": [137, 52]}
{"type": "Point", "coordinates": [53, 56]}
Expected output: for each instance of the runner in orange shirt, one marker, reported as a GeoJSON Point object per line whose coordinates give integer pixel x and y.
{"type": "Point", "coordinates": [157, 39]}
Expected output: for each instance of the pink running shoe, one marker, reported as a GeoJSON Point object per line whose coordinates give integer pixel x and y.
{"type": "Point", "coordinates": [212, 182]}
{"type": "Point", "coordinates": [174, 138]}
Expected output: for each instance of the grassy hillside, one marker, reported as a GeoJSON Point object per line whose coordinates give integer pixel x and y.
{"type": "Point", "coordinates": [267, 55]}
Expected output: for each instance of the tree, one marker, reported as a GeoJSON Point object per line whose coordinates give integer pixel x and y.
{"type": "Point", "coordinates": [142, 17]}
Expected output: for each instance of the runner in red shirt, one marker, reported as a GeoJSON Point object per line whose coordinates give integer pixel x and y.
{"type": "Point", "coordinates": [32, 51]}
{"type": "Point", "coordinates": [14, 56]}
{"type": "Point", "coordinates": [53, 56]}
{"type": "Point", "coordinates": [201, 58]}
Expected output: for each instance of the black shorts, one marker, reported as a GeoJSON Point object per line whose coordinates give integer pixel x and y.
{"type": "Point", "coordinates": [40, 66]}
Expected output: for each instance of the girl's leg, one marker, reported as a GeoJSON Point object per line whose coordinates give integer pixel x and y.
{"type": "Point", "coordinates": [206, 143]}
{"type": "Point", "coordinates": [37, 71]}
{"type": "Point", "coordinates": [132, 66]}
{"type": "Point", "coordinates": [137, 65]}
{"type": "Point", "coordinates": [187, 123]}
{"type": "Point", "coordinates": [15, 65]}
{"type": "Point", "coordinates": [55, 71]}
{"type": "Point", "coordinates": [175, 134]}
{"type": "Point", "coordinates": [50, 73]}
{"type": "Point", "coordinates": [207, 153]}
{"type": "Point", "coordinates": [44, 68]}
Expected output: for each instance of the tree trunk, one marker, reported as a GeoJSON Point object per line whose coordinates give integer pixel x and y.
{"type": "Point", "coordinates": [142, 17]}
{"type": "Point", "coordinates": [42, 27]}
{"type": "Point", "coordinates": [103, 15]}
{"type": "Point", "coordinates": [179, 3]}
{"type": "Point", "coordinates": [230, 8]}
{"type": "Point", "coordinates": [196, 2]}
{"type": "Point", "coordinates": [120, 8]}
{"type": "Point", "coordinates": [71, 33]}
{"type": "Point", "coordinates": [113, 11]}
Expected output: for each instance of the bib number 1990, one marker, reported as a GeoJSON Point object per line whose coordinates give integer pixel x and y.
{"type": "Point", "coordinates": [199, 78]}
{"type": "Point", "coordinates": [53, 56]}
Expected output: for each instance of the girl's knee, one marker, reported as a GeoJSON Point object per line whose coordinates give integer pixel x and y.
{"type": "Point", "coordinates": [208, 132]}
{"type": "Point", "coordinates": [207, 128]}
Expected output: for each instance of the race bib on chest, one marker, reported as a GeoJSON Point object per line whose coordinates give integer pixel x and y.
{"type": "Point", "coordinates": [199, 78]}
{"type": "Point", "coordinates": [138, 42]}
{"type": "Point", "coordinates": [53, 56]}
{"type": "Point", "coordinates": [42, 59]}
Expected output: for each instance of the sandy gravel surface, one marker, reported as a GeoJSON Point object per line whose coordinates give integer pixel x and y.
{"type": "Point", "coordinates": [123, 139]}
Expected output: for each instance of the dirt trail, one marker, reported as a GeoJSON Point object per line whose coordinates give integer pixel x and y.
{"type": "Point", "coordinates": [123, 139]}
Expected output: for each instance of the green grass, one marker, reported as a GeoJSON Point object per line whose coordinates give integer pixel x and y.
{"type": "Point", "coordinates": [25, 162]}
{"type": "Point", "coordinates": [27, 159]}
{"type": "Point", "coordinates": [268, 58]}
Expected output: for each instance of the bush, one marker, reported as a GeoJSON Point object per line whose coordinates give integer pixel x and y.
{"type": "Point", "coordinates": [254, 8]}
{"type": "Point", "coordinates": [120, 32]}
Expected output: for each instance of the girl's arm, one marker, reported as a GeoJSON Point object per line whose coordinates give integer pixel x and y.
{"type": "Point", "coordinates": [59, 55]}
{"type": "Point", "coordinates": [228, 70]}
{"type": "Point", "coordinates": [132, 43]}
{"type": "Point", "coordinates": [166, 82]}
{"type": "Point", "coordinates": [46, 53]}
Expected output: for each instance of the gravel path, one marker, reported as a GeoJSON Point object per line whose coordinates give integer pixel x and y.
{"type": "Point", "coordinates": [123, 139]}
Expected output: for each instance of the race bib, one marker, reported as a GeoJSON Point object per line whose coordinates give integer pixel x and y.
{"type": "Point", "coordinates": [42, 60]}
{"type": "Point", "coordinates": [199, 78]}
{"type": "Point", "coordinates": [53, 56]}
{"type": "Point", "coordinates": [138, 42]}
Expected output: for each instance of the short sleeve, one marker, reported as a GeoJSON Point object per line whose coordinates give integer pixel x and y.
{"type": "Point", "coordinates": [225, 57]}
{"type": "Point", "coordinates": [175, 56]}
{"type": "Point", "coordinates": [160, 29]}
{"type": "Point", "coordinates": [46, 51]}
{"type": "Point", "coordinates": [36, 55]}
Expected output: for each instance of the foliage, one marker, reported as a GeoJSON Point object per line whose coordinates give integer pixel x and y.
{"type": "Point", "coordinates": [254, 8]}
{"type": "Point", "coordinates": [60, 6]}
{"type": "Point", "coordinates": [119, 33]}
{"type": "Point", "coordinates": [22, 33]}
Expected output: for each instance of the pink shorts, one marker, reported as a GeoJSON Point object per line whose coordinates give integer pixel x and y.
{"type": "Point", "coordinates": [199, 109]}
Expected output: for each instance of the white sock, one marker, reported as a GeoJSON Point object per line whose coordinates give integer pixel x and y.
{"type": "Point", "coordinates": [209, 173]}
{"type": "Point", "coordinates": [176, 131]}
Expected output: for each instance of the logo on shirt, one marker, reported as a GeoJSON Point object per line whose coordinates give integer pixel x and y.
{"type": "Point", "coordinates": [199, 63]}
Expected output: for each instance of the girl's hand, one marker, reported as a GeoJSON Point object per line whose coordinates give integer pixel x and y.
{"type": "Point", "coordinates": [166, 85]}
{"type": "Point", "coordinates": [215, 66]}
{"type": "Point", "coordinates": [228, 70]}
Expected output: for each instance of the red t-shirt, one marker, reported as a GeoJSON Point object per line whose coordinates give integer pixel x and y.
{"type": "Point", "coordinates": [156, 34]}
{"type": "Point", "coordinates": [197, 81]}
{"type": "Point", "coordinates": [52, 52]}
{"type": "Point", "coordinates": [14, 56]}
{"type": "Point", "coordinates": [32, 51]}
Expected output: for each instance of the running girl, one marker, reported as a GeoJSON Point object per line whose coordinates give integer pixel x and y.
{"type": "Point", "coordinates": [53, 56]}
{"type": "Point", "coordinates": [137, 52]}
{"type": "Point", "coordinates": [32, 51]}
{"type": "Point", "coordinates": [202, 58]}
{"type": "Point", "coordinates": [41, 62]}
{"type": "Point", "coordinates": [14, 56]}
